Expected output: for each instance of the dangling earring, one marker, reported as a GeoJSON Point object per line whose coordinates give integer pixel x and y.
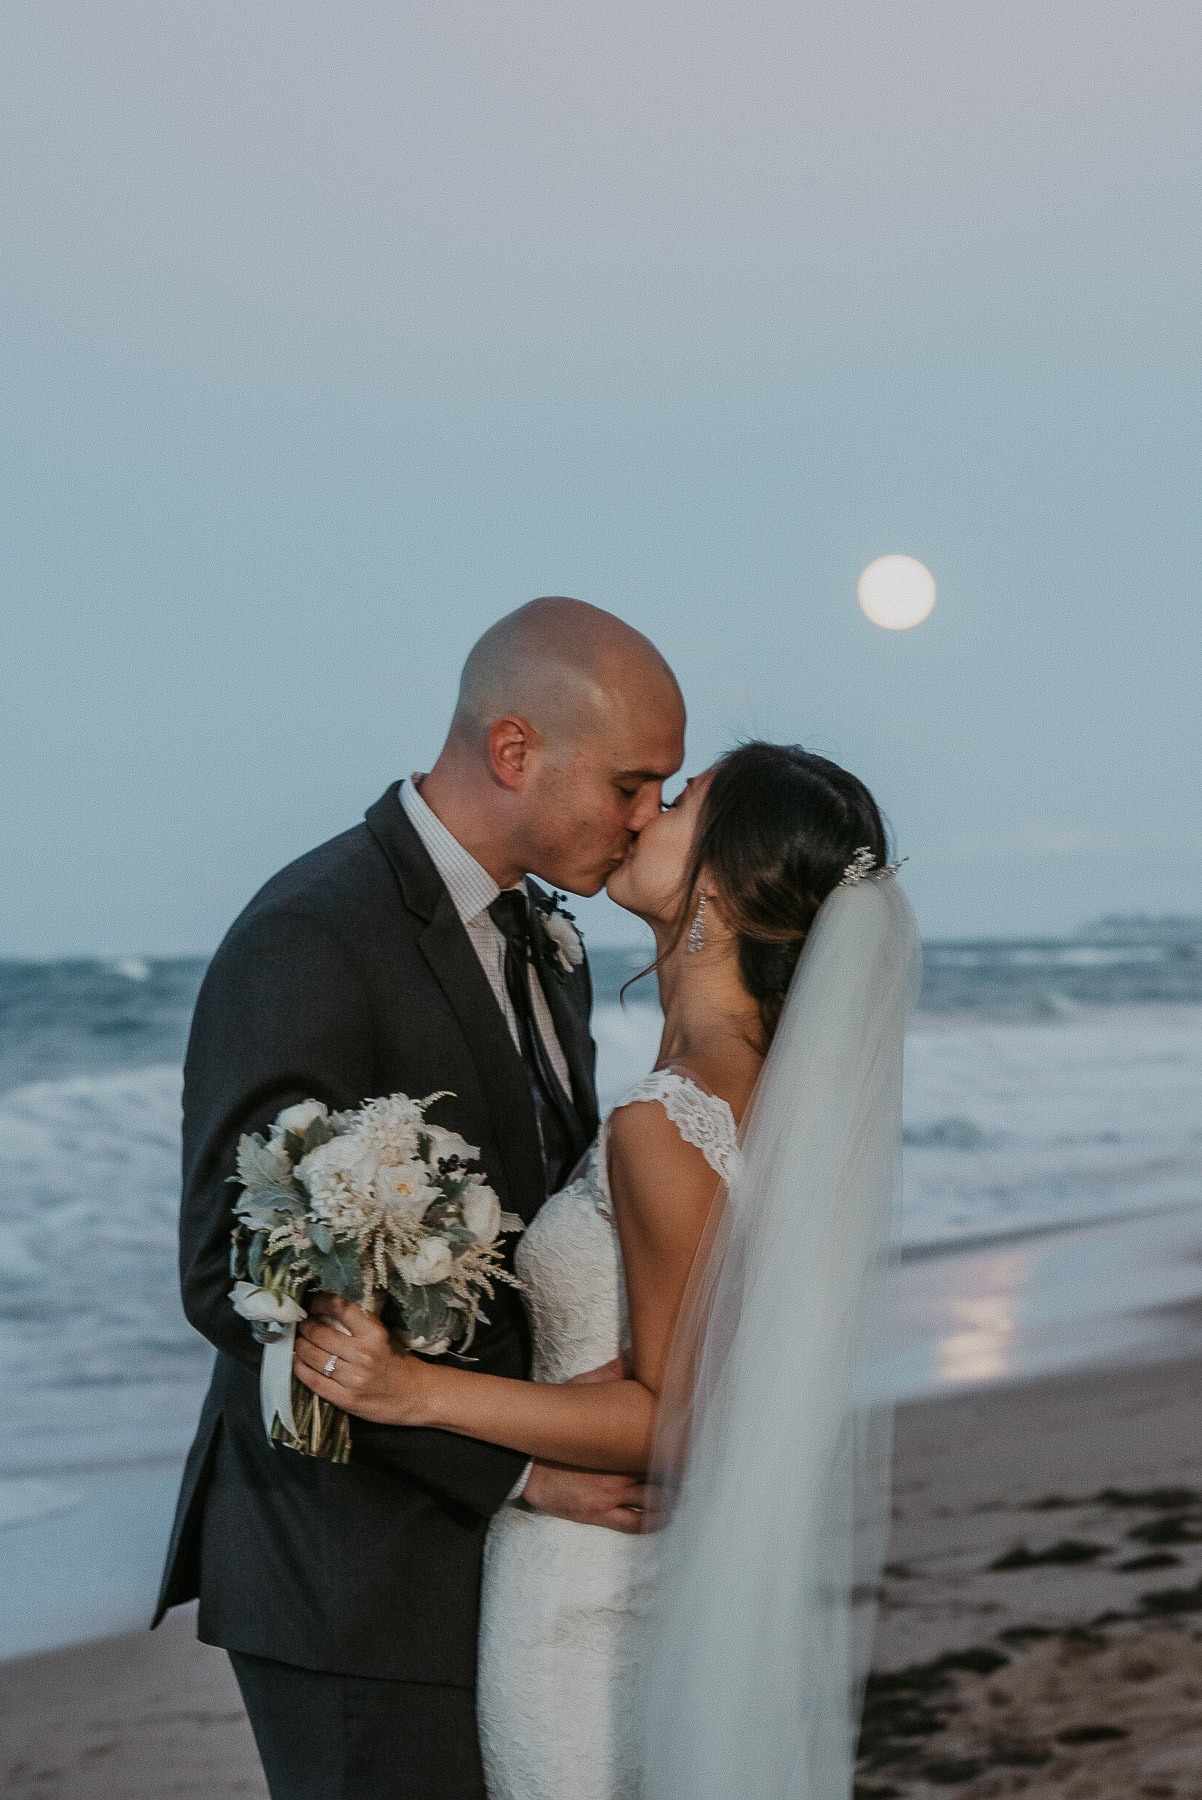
{"type": "Point", "coordinates": [697, 929]}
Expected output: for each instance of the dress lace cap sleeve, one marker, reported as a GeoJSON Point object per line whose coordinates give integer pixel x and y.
{"type": "Point", "coordinates": [702, 1119]}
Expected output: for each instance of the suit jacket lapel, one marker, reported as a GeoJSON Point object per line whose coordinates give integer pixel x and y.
{"type": "Point", "coordinates": [569, 1003]}
{"type": "Point", "coordinates": [456, 967]}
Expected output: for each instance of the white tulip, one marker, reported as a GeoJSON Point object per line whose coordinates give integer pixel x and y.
{"type": "Point", "coordinates": [431, 1262]}
{"type": "Point", "coordinates": [437, 1348]}
{"type": "Point", "coordinates": [444, 1144]}
{"type": "Point", "coordinates": [260, 1304]}
{"type": "Point", "coordinates": [298, 1118]}
{"type": "Point", "coordinates": [481, 1212]}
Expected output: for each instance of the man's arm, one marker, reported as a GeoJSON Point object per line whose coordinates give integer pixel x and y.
{"type": "Point", "coordinates": [615, 1501]}
{"type": "Point", "coordinates": [283, 1016]}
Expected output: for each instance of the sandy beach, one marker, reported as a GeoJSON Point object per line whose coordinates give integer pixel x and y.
{"type": "Point", "coordinates": [1041, 1629]}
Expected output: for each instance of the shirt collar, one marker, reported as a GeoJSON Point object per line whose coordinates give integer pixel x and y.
{"type": "Point", "coordinates": [472, 888]}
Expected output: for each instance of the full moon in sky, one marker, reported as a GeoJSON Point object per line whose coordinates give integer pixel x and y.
{"type": "Point", "coordinates": [896, 592]}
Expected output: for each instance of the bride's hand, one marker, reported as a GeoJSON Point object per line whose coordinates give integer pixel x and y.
{"type": "Point", "coordinates": [368, 1374]}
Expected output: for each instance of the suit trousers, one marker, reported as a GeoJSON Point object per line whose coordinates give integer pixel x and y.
{"type": "Point", "coordinates": [345, 1737]}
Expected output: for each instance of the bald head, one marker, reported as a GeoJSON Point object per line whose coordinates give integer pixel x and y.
{"type": "Point", "coordinates": [564, 667]}
{"type": "Point", "coordinates": [568, 724]}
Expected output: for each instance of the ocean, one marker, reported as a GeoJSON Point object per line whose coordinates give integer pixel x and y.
{"type": "Point", "coordinates": [1053, 1104]}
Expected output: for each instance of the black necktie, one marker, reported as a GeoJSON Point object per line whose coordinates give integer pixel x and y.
{"type": "Point", "coordinates": [559, 1127]}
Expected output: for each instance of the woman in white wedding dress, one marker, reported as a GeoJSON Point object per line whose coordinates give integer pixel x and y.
{"type": "Point", "coordinates": [716, 1657]}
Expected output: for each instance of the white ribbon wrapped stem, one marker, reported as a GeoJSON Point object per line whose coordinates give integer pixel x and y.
{"type": "Point", "coordinates": [261, 1306]}
{"type": "Point", "coordinates": [275, 1379]}
{"type": "Point", "coordinates": [275, 1383]}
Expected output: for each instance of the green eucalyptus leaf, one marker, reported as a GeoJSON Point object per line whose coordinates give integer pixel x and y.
{"type": "Point", "coordinates": [319, 1131]}
{"type": "Point", "coordinates": [321, 1235]}
{"type": "Point", "coordinates": [337, 1270]}
{"type": "Point", "coordinates": [260, 1164]}
{"type": "Point", "coordinates": [416, 1310]}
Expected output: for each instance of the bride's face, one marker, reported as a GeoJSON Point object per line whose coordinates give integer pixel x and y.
{"type": "Point", "coordinates": [651, 880]}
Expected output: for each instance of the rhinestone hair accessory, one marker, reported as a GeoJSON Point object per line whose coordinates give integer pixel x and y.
{"type": "Point", "coordinates": [862, 867]}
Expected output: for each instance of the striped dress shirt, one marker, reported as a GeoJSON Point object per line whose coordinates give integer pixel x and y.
{"type": "Point", "coordinates": [473, 890]}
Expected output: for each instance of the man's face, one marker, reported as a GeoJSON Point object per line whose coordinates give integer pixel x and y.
{"type": "Point", "coordinates": [584, 807]}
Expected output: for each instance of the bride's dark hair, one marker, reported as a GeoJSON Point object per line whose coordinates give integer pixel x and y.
{"type": "Point", "coordinates": [778, 827]}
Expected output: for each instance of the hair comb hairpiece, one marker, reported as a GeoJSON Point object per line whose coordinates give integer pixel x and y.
{"type": "Point", "coordinates": [862, 867]}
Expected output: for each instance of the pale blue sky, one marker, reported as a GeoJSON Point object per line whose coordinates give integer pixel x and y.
{"type": "Point", "coordinates": [328, 334]}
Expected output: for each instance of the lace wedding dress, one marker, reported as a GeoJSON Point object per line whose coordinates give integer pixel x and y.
{"type": "Point", "coordinates": [564, 1606]}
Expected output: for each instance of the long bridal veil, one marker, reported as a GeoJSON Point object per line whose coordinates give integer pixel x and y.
{"type": "Point", "coordinates": [772, 1466]}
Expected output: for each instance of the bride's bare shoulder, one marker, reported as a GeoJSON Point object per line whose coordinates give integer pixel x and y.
{"type": "Point", "coordinates": [646, 1148]}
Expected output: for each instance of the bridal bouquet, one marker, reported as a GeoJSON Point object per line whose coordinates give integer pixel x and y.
{"type": "Point", "coordinates": [374, 1205]}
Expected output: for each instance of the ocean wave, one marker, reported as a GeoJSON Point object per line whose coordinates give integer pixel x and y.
{"type": "Point", "coordinates": [953, 1133]}
{"type": "Point", "coordinates": [1013, 1126]}
{"type": "Point", "coordinates": [1010, 1127]}
{"type": "Point", "coordinates": [89, 1198]}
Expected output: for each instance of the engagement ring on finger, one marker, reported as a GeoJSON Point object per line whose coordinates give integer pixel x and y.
{"type": "Point", "coordinates": [329, 1365]}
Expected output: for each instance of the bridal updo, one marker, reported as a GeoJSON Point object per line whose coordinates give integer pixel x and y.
{"type": "Point", "coordinates": [778, 828]}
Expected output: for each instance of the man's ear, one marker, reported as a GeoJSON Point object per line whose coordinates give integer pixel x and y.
{"type": "Point", "coordinates": [511, 746]}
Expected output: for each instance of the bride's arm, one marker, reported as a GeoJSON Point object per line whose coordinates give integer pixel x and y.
{"type": "Point", "coordinates": [662, 1190]}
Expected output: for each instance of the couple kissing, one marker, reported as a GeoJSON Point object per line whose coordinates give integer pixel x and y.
{"type": "Point", "coordinates": [609, 1554]}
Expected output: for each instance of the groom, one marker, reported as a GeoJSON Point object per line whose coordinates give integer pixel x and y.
{"type": "Point", "coordinates": [409, 955]}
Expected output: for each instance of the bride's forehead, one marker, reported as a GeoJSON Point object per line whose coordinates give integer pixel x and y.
{"type": "Point", "coordinates": [695, 785]}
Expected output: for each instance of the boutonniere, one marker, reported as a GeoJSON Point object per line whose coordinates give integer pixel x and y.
{"type": "Point", "coordinates": [560, 927]}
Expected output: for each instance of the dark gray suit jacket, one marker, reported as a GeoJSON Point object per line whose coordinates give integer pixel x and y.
{"type": "Point", "coordinates": [349, 975]}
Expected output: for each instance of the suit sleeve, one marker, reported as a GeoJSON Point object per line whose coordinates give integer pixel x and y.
{"type": "Point", "coordinates": [283, 1016]}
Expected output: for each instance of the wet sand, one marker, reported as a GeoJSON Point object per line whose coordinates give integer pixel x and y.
{"type": "Point", "coordinates": [1040, 1633]}
{"type": "Point", "coordinates": [1041, 1625]}
{"type": "Point", "coordinates": [143, 1717]}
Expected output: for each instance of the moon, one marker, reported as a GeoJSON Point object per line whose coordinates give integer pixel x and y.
{"type": "Point", "coordinates": [896, 592]}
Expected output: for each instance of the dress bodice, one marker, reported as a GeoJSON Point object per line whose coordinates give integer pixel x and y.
{"type": "Point", "coordinates": [569, 1260]}
{"type": "Point", "coordinates": [564, 1607]}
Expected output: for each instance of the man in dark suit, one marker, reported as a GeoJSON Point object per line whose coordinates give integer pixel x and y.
{"type": "Point", "coordinates": [412, 954]}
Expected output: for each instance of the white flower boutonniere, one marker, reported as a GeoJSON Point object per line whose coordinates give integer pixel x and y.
{"type": "Point", "coordinates": [566, 941]}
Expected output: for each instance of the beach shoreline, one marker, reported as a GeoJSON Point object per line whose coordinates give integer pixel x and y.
{"type": "Point", "coordinates": [1005, 1470]}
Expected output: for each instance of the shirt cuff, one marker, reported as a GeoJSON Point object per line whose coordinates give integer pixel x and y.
{"type": "Point", "coordinates": [519, 1486]}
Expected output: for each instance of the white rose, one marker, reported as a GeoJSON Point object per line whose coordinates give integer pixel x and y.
{"type": "Point", "coordinates": [431, 1262]}
{"type": "Point", "coordinates": [481, 1212]}
{"type": "Point", "coordinates": [298, 1118]}
{"type": "Point", "coordinates": [566, 939]}
{"type": "Point", "coordinates": [403, 1189]}
{"type": "Point", "coordinates": [258, 1303]}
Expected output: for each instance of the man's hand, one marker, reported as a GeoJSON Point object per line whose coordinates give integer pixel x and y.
{"type": "Point", "coordinates": [586, 1497]}
{"type": "Point", "coordinates": [583, 1495]}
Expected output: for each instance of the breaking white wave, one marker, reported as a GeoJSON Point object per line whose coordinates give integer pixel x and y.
{"type": "Point", "coordinates": [89, 1199]}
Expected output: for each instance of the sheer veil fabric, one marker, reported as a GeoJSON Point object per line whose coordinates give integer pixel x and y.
{"type": "Point", "coordinates": [772, 1467]}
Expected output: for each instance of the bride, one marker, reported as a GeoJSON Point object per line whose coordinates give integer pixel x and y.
{"type": "Point", "coordinates": [721, 1239]}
